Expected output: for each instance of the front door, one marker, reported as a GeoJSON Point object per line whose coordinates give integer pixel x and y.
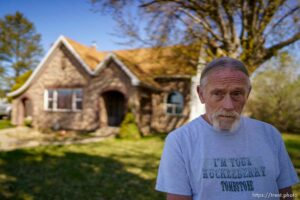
{"type": "Point", "coordinates": [115, 107]}
{"type": "Point", "coordinates": [27, 108]}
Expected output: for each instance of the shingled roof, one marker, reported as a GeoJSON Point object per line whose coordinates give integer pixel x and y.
{"type": "Point", "coordinates": [89, 55]}
{"type": "Point", "coordinates": [145, 63]}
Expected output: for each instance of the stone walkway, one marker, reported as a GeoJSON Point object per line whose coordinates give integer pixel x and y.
{"type": "Point", "coordinates": [21, 137]}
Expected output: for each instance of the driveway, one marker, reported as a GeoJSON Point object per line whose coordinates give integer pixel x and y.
{"type": "Point", "coordinates": [12, 138]}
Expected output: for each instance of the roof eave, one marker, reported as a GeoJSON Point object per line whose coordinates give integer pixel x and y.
{"type": "Point", "coordinates": [150, 87]}
{"type": "Point", "coordinates": [173, 77]}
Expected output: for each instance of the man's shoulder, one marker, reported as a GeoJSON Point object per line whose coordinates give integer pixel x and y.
{"type": "Point", "coordinates": [261, 127]}
{"type": "Point", "coordinates": [257, 123]}
{"type": "Point", "coordinates": [186, 130]}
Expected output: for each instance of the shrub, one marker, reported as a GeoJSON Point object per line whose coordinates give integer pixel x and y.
{"type": "Point", "coordinates": [275, 94]}
{"type": "Point", "coordinates": [129, 128]}
{"type": "Point", "coordinates": [28, 121]}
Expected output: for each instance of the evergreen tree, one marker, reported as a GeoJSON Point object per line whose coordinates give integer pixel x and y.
{"type": "Point", "coordinates": [20, 48]}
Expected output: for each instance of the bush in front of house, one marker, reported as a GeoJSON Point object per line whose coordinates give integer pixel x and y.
{"type": "Point", "coordinates": [129, 128]}
{"type": "Point", "coordinates": [28, 121]}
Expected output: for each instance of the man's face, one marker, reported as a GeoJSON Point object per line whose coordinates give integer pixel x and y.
{"type": "Point", "coordinates": [224, 95]}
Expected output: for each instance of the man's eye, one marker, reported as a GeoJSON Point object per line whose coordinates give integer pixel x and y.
{"type": "Point", "coordinates": [218, 94]}
{"type": "Point", "coordinates": [236, 93]}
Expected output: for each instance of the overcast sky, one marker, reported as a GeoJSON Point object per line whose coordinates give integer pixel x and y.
{"type": "Point", "coordinates": [72, 18]}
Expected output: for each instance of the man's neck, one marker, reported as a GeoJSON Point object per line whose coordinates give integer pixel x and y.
{"type": "Point", "coordinates": [204, 116]}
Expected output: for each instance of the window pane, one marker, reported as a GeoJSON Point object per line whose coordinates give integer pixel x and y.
{"type": "Point", "coordinates": [79, 105]}
{"type": "Point", "coordinates": [169, 109]}
{"type": "Point", "coordinates": [171, 97]}
{"type": "Point", "coordinates": [78, 93]}
{"type": "Point", "coordinates": [175, 98]}
{"type": "Point", "coordinates": [64, 99]}
{"type": "Point", "coordinates": [50, 104]}
{"type": "Point", "coordinates": [178, 110]}
{"type": "Point", "coordinates": [50, 93]}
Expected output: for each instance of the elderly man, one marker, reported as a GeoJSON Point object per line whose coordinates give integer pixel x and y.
{"type": "Point", "coordinates": [221, 155]}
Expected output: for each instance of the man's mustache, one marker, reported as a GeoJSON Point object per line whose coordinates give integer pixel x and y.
{"type": "Point", "coordinates": [224, 113]}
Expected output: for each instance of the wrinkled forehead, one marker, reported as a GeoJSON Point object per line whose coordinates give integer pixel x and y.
{"type": "Point", "coordinates": [227, 77]}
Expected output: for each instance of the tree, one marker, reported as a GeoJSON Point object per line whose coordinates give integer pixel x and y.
{"type": "Point", "coordinates": [275, 94]}
{"type": "Point", "coordinates": [251, 30]}
{"type": "Point", "coordinates": [20, 48]}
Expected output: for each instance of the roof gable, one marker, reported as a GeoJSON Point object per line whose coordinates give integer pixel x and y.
{"type": "Point", "coordinates": [90, 59]}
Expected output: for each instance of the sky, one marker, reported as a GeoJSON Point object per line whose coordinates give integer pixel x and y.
{"type": "Point", "coordinates": [72, 18]}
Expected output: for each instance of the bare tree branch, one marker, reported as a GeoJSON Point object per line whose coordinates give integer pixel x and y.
{"type": "Point", "coordinates": [282, 19]}
{"type": "Point", "coordinates": [243, 29]}
{"type": "Point", "coordinates": [204, 23]}
{"type": "Point", "coordinates": [273, 49]}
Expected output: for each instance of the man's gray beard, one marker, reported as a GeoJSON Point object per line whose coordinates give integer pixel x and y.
{"type": "Point", "coordinates": [217, 123]}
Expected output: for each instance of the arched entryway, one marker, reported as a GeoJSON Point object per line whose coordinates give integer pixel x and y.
{"type": "Point", "coordinates": [25, 110]}
{"type": "Point", "coordinates": [27, 107]}
{"type": "Point", "coordinates": [112, 108]}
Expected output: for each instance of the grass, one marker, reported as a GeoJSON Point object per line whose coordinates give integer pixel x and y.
{"type": "Point", "coordinates": [5, 124]}
{"type": "Point", "coordinates": [114, 169]}
{"type": "Point", "coordinates": [292, 142]}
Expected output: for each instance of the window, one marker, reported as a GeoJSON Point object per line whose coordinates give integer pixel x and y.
{"type": "Point", "coordinates": [174, 103]}
{"type": "Point", "coordinates": [63, 99]}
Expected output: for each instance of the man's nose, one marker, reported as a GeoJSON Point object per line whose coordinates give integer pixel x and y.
{"type": "Point", "coordinates": [228, 103]}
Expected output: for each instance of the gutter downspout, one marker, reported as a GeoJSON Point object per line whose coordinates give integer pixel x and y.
{"type": "Point", "coordinates": [196, 107]}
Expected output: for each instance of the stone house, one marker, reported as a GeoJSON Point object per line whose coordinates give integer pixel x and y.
{"type": "Point", "coordinates": [77, 87]}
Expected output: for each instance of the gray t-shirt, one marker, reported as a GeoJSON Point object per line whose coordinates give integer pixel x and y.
{"type": "Point", "coordinates": [248, 163]}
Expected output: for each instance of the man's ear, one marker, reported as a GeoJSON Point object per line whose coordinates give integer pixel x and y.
{"type": "Point", "coordinates": [200, 93]}
{"type": "Point", "coordinates": [249, 92]}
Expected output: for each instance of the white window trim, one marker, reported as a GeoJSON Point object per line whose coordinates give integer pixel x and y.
{"type": "Point", "coordinates": [46, 105]}
{"type": "Point", "coordinates": [55, 97]}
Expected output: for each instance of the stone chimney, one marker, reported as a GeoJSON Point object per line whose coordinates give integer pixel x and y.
{"type": "Point", "coordinates": [94, 45]}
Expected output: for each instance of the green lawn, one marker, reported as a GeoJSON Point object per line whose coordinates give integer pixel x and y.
{"type": "Point", "coordinates": [292, 142]}
{"type": "Point", "coordinates": [5, 124]}
{"type": "Point", "coordinates": [110, 170]}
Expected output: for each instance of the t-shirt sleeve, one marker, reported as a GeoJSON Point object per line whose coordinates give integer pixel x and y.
{"type": "Point", "coordinates": [172, 174]}
{"type": "Point", "coordinates": [287, 174]}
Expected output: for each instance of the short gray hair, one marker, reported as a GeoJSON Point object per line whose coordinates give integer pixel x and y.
{"type": "Point", "coordinates": [224, 62]}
